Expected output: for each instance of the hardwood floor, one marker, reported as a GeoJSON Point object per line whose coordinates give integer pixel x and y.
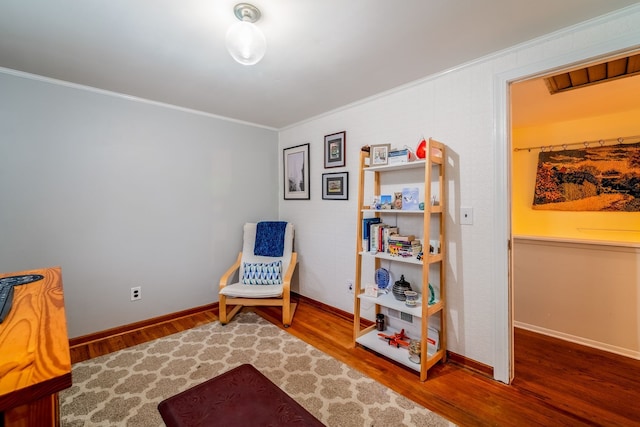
{"type": "Point", "coordinates": [557, 383]}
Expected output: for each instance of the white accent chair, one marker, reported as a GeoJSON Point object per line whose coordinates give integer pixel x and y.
{"type": "Point", "coordinates": [233, 296]}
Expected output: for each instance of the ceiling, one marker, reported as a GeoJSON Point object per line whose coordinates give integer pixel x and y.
{"type": "Point", "coordinates": [532, 104]}
{"type": "Point", "coordinates": [592, 74]}
{"type": "Point", "coordinates": [321, 54]}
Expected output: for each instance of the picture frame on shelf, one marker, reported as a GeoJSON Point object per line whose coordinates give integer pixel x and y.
{"type": "Point", "coordinates": [335, 186]}
{"type": "Point", "coordinates": [334, 150]}
{"type": "Point", "coordinates": [379, 154]}
{"type": "Point", "coordinates": [296, 172]}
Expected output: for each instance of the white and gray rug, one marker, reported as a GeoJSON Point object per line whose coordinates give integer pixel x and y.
{"type": "Point", "coordinates": [125, 387]}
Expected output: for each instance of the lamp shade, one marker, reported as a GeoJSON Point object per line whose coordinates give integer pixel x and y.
{"type": "Point", "coordinates": [246, 43]}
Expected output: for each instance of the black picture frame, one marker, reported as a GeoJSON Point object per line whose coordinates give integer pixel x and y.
{"type": "Point", "coordinates": [334, 150]}
{"type": "Point", "coordinates": [295, 165]}
{"type": "Point", "coordinates": [335, 186]}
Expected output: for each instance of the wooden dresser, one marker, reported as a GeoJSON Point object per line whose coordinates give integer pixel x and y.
{"type": "Point", "coordinates": [34, 352]}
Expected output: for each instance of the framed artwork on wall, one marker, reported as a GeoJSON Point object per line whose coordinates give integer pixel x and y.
{"type": "Point", "coordinates": [335, 186]}
{"type": "Point", "coordinates": [334, 150]}
{"type": "Point", "coordinates": [379, 154]}
{"type": "Point", "coordinates": [296, 172]}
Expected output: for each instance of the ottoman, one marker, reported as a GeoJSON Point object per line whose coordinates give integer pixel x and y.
{"type": "Point", "coordinates": [240, 397]}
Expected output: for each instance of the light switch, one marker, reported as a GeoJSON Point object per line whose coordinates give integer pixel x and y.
{"type": "Point", "coordinates": [466, 216]}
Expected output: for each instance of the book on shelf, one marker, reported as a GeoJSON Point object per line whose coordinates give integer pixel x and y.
{"type": "Point", "coordinates": [386, 232]}
{"type": "Point", "coordinates": [366, 229]}
{"type": "Point", "coordinates": [375, 237]}
{"type": "Point", "coordinates": [402, 238]}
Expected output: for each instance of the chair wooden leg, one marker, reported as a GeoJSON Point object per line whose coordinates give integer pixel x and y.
{"type": "Point", "coordinates": [222, 308]}
{"type": "Point", "coordinates": [288, 312]}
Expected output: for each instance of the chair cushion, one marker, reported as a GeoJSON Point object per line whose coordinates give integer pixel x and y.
{"type": "Point", "coordinates": [249, 238]}
{"type": "Point", "coordinates": [270, 238]}
{"type": "Point", "coordinates": [250, 291]}
{"type": "Point", "coordinates": [261, 273]}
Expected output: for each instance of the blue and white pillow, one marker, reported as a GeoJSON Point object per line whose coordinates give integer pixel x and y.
{"type": "Point", "coordinates": [261, 273]}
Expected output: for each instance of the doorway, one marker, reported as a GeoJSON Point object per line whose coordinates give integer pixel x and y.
{"type": "Point", "coordinates": [503, 264]}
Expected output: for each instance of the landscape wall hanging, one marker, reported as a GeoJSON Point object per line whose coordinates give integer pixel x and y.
{"type": "Point", "coordinates": [603, 178]}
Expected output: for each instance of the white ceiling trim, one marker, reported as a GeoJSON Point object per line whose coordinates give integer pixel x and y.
{"type": "Point", "coordinates": [105, 92]}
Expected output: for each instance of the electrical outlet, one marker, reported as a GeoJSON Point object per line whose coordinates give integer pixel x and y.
{"type": "Point", "coordinates": [136, 293]}
{"type": "Point", "coordinates": [350, 286]}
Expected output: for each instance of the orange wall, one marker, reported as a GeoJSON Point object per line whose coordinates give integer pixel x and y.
{"type": "Point", "coordinates": [598, 226]}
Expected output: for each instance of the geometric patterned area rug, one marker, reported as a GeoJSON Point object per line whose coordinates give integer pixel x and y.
{"type": "Point", "coordinates": [124, 388]}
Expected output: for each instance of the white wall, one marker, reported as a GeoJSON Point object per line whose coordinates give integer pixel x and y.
{"type": "Point", "coordinates": [587, 293]}
{"type": "Point", "coordinates": [458, 108]}
{"type": "Point", "coordinates": [123, 193]}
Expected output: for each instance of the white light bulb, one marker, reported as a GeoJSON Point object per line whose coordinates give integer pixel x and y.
{"type": "Point", "coordinates": [246, 43]}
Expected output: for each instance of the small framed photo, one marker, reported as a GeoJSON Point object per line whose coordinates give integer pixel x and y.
{"type": "Point", "coordinates": [296, 172]}
{"type": "Point", "coordinates": [334, 150]}
{"type": "Point", "coordinates": [379, 154]}
{"type": "Point", "coordinates": [335, 186]}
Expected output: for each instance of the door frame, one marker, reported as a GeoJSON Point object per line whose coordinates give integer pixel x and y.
{"type": "Point", "coordinates": [502, 255]}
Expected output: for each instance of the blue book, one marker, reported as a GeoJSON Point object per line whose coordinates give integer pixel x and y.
{"type": "Point", "coordinates": [366, 227]}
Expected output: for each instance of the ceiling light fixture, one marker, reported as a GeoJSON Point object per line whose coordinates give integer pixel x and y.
{"type": "Point", "coordinates": [245, 41]}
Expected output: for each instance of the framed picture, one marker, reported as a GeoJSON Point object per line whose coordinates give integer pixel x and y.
{"type": "Point", "coordinates": [379, 154]}
{"type": "Point", "coordinates": [334, 154]}
{"type": "Point", "coordinates": [296, 172]}
{"type": "Point", "coordinates": [335, 186]}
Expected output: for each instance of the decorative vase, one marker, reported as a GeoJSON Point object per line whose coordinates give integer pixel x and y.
{"type": "Point", "coordinates": [399, 287]}
{"type": "Point", "coordinates": [411, 298]}
{"type": "Point", "coordinates": [421, 150]}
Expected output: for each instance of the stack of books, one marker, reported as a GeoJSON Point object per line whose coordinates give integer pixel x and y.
{"type": "Point", "coordinates": [404, 246]}
{"type": "Point", "coordinates": [380, 237]}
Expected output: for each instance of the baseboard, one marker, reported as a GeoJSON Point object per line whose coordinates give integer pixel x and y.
{"type": "Point", "coordinates": [579, 340]}
{"type": "Point", "coordinates": [120, 330]}
{"type": "Point", "coordinates": [470, 364]}
{"type": "Point", "coordinates": [330, 309]}
{"type": "Point", "coordinates": [85, 339]}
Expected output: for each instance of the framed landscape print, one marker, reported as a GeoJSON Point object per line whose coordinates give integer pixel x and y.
{"type": "Point", "coordinates": [296, 172]}
{"type": "Point", "coordinates": [334, 150]}
{"type": "Point", "coordinates": [335, 186]}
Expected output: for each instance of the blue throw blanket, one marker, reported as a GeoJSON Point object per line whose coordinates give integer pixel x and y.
{"type": "Point", "coordinates": [270, 238]}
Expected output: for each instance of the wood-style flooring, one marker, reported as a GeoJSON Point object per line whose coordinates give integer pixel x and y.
{"type": "Point", "coordinates": [557, 383]}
